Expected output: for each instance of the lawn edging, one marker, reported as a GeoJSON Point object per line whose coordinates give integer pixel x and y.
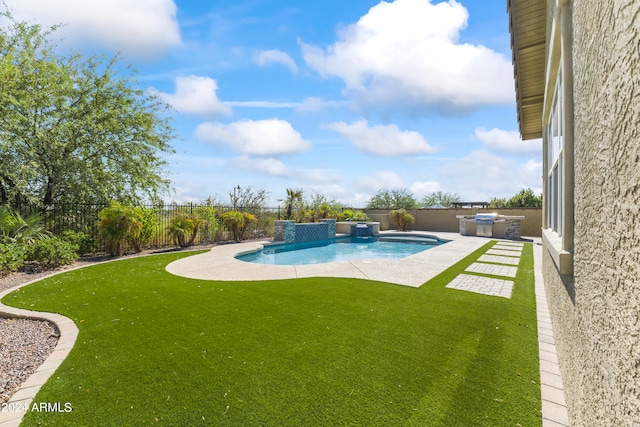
{"type": "Point", "coordinates": [23, 398]}
{"type": "Point", "coordinates": [25, 394]}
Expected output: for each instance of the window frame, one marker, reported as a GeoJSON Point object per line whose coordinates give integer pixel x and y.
{"type": "Point", "coordinates": [558, 159]}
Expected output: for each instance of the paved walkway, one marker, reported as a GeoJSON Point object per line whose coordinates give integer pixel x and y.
{"type": "Point", "coordinates": [494, 265]}
{"type": "Point", "coordinates": [554, 407]}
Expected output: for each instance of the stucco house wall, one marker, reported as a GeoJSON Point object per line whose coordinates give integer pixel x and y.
{"type": "Point", "coordinates": [596, 311]}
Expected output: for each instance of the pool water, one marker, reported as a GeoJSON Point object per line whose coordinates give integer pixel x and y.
{"type": "Point", "coordinates": [341, 249]}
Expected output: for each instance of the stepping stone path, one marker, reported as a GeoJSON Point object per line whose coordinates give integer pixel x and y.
{"type": "Point", "coordinates": [502, 261]}
{"type": "Point", "coordinates": [482, 285]}
{"type": "Point", "coordinates": [492, 269]}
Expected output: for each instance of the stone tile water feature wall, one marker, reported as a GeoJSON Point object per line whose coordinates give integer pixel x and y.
{"type": "Point", "coordinates": [288, 231]}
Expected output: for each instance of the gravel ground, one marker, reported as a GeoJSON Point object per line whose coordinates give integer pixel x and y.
{"type": "Point", "coordinates": [25, 344]}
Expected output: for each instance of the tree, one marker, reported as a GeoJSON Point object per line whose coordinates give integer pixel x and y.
{"type": "Point", "coordinates": [525, 198]}
{"type": "Point", "coordinates": [440, 198]}
{"type": "Point", "coordinates": [293, 197]}
{"type": "Point", "coordinates": [72, 129]}
{"type": "Point", "coordinates": [248, 199]}
{"type": "Point", "coordinates": [392, 199]}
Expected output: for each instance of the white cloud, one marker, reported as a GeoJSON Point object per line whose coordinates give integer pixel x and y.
{"type": "Point", "coordinates": [268, 166]}
{"type": "Point", "coordinates": [314, 104]}
{"type": "Point", "coordinates": [407, 53]}
{"type": "Point", "coordinates": [196, 95]}
{"type": "Point", "coordinates": [382, 140]}
{"type": "Point", "coordinates": [136, 27]}
{"type": "Point", "coordinates": [482, 175]}
{"type": "Point", "coordinates": [330, 190]}
{"type": "Point", "coordinates": [308, 105]}
{"type": "Point", "coordinates": [422, 188]}
{"type": "Point", "coordinates": [262, 104]}
{"type": "Point", "coordinates": [270, 137]}
{"type": "Point", "coordinates": [275, 56]}
{"type": "Point", "coordinates": [320, 176]}
{"type": "Point", "coordinates": [378, 180]}
{"type": "Point", "coordinates": [507, 141]}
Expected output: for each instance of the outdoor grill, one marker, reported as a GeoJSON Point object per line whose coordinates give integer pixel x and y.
{"type": "Point", "coordinates": [484, 224]}
{"type": "Point", "coordinates": [490, 225]}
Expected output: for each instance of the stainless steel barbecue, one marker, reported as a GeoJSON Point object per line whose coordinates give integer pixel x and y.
{"type": "Point", "coordinates": [484, 224]}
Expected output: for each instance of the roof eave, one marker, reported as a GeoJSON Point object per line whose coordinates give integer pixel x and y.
{"type": "Point", "coordinates": [527, 26]}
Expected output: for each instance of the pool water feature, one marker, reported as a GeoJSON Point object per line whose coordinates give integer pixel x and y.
{"type": "Point", "coordinates": [390, 247]}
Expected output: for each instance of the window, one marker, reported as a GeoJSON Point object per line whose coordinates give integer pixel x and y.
{"type": "Point", "coordinates": [555, 145]}
{"type": "Point", "coordinates": [558, 173]}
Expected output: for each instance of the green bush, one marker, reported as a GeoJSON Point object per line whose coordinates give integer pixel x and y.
{"type": "Point", "coordinates": [85, 243]}
{"type": "Point", "coordinates": [149, 222]}
{"type": "Point", "coordinates": [234, 221]}
{"type": "Point", "coordinates": [248, 221]}
{"type": "Point", "coordinates": [12, 256]}
{"type": "Point", "coordinates": [211, 226]}
{"type": "Point", "coordinates": [52, 252]}
{"type": "Point", "coordinates": [14, 228]}
{"type": "Point", "coordinates": [350, 215]}
{"type": "Point", "coordinates": [402, 218]}
{"type": "Point", "coordinates": [118, 223]}
{"type": "Point", "coordinates": [184, 229]}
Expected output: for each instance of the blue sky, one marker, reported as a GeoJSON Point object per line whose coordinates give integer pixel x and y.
{"type": "Point", "coordinates": [338, 97]}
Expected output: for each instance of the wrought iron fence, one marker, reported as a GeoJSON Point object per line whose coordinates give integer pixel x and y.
{"type": "Point", "coordinates": [81, 217]}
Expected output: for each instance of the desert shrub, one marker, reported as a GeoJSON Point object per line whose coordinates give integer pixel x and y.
{"type": "Point", "coordinates": [402, 218]}
{"type": "Point", "coordinates": [149, 223]}
{"type": "Point", "coordinates": [234, 221]}
{"type": "Point", "coordinates": [12, 256]}
{"type": "Point", "coordinates": [239, 223]}
{"type": "Point", "coordinates": [51, 252]}
{"type": "Point", "coordinates": [85, 243]}
{"type": "Point", "coordinates": [14, 228]}
{"type": "Point", "coordinates": [210, 224]}
{"type": "Point", "coordinates": [351, 215]}
{"type": "Point", "coordinates": [184, 229]}
{"type": "Point", "coordinates": [248, 221]}
{"type": "Point", "coordinates": [117, 224]}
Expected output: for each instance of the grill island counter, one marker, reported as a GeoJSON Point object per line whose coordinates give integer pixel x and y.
{"type": "Point", "coordinates": [490, 225]}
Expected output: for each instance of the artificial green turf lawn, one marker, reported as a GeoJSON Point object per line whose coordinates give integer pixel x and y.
{"type": "Point", "coordinates": [159, 349]}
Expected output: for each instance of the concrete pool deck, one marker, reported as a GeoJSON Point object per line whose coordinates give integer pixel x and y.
{"type": "Point", "coordinates": [220, 264]}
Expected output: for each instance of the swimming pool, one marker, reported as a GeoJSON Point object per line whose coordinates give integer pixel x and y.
{"type": "Point", "coordinates": [343, 249]}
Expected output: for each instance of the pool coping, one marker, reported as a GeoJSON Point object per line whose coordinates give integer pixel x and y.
{"type": "Point", "coordinates": [220, 263]}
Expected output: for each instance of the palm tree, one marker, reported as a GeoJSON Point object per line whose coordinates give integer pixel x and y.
{"type": "Point", "coordinates": [14, 228]}
{"type": "Point", "coordinates": [234, 221]}
{"type": "Point", "coordinates": [184, 228]}
{"type": "Point", "coordinates": [293, 196]}
{"type": "Point", "coordinates": [402, 218]}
